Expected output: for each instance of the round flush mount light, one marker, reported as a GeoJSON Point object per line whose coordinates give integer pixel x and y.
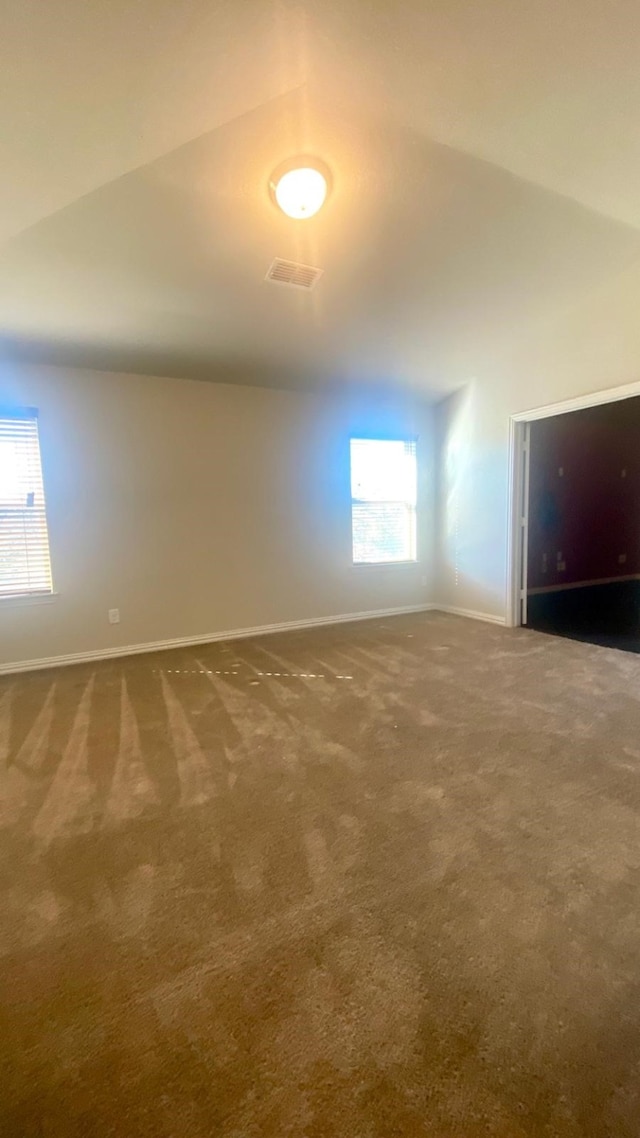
{"type": "Point", "coordinates": [300, 187]}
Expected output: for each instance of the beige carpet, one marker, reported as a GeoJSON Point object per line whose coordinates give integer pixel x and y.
{"type": "Point", "coordinates": [372, 880]}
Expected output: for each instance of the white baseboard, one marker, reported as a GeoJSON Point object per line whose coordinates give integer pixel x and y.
{"type": "Point", "coordinates": [488, 617]}
{"type": "Point", "coordinates": [187, 641]}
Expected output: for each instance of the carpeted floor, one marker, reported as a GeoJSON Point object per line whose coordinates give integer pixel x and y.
{"type": "Point", "coordinates": [372, 880]}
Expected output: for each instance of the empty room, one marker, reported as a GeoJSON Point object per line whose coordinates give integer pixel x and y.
{"type": "Point", "coordinates": [309, 824]}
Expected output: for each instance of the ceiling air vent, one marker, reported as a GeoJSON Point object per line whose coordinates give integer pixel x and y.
{"type": "Point", "coordinates": [294, 275]}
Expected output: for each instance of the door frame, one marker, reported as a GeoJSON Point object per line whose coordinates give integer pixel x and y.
{"type": "Point", "coordinates": [518, 488]}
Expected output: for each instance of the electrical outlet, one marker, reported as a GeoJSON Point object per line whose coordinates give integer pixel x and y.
{"type": "Point", "coordinates": [561, 472]}
{"type": "Point", "coordinates": [623, 472]}
{"type": "Point", "coordinates": [424, 580]}
{"type": "Point", "coordinates": [622, 559]}
{"type": "Point", "coordinates": [114, 616]}
{"type": "Point", "coordinates": [562, 565]}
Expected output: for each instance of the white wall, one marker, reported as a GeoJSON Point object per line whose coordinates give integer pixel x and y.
{"type": "Point", "coordinates": [199, 508]}
{"type": "Point", "coordinates": [592, 347]}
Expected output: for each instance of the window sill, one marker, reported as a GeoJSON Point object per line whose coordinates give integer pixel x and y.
{"type": "Point", "coordinates": [17, 600]}
{"type": "Point", "coordinates": [384, 564]}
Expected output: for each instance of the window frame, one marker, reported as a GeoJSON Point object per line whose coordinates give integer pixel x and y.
{"type": "Point", "coordinates": [382, 565]}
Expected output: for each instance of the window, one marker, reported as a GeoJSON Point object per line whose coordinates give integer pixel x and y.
{"type": "Point", "coordinates": [24, 543]}
{"type": "Point", "coordinates": [383, 501]}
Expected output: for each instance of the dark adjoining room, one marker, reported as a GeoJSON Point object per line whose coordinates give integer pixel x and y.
{"type": "Point", "coordinates": [583, 564]}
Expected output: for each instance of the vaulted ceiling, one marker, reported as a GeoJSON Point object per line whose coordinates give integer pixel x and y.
{"type": "Point", "coordinates": [486, 161]}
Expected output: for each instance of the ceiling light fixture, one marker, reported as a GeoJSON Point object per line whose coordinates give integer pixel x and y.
{"type": "Point", "coordinates": [300, 187]}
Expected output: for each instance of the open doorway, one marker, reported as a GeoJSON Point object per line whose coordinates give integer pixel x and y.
{"type": "Point", "coordinates": [575, 550]}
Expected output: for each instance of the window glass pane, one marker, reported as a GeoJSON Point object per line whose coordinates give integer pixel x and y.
{"type": "Point", "coordinates": [382, 470]}
{"type": "Point", "coordinates": [383, 531]}
{"type": "Point", "coordinates": [24, 544]}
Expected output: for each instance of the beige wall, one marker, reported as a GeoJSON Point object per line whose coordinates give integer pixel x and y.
{"type": "Point", "coordinates": [197, 508]}
{"type": "Point", "coordinates": [589, 348]}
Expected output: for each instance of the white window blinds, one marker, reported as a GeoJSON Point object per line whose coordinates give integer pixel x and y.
{"type": "Point", "coordinates": [24, 542]}
{"type": "Point", "coordinates": [383, 500]}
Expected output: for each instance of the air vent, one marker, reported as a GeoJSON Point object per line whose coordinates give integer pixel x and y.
{"type": "Point", "coordinates": [294, 275]}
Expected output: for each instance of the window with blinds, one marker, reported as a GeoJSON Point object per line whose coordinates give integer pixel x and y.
{"type": "Point", "coordinates": [384, 481]}
{"type": "Point", "coordinates": [24, 542]}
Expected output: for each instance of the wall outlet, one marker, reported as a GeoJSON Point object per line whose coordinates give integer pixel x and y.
{"type": "Point", "coordinates": [424, 580]}
{"type": "Point", "coordinates": [114, 616]}
{"type": "Point", "coordinates": [623, 472]}
{"type": "Point", "coordinates": [622, 559]}
{"type": "Point", "coordinates": [561, 472]}
{"type": "Point", "coordinates": [562, 565]}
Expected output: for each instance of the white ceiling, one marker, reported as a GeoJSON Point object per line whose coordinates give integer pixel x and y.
{"type": "Point", "coordinates": [136, 139]}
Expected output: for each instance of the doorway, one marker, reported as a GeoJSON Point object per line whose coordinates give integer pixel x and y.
{"type": "Point", "coordinates": [575, 542]}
